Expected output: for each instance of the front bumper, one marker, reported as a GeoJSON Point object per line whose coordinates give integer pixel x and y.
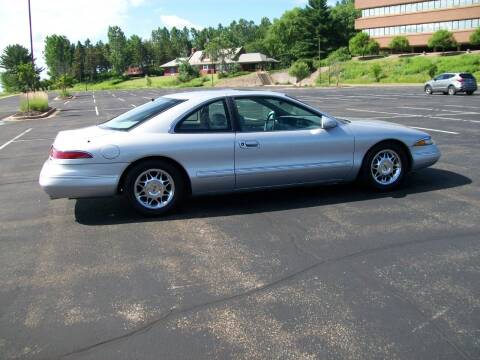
{"type": "Point", "coordinates": [80, 181]}
{"type": "Point", "coordinates": [424, 156]}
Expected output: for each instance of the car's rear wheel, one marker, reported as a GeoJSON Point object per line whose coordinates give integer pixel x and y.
{"type": "Point", "coordinates": [428, 90]}
{"type": "Point", "coordinates": [154, 187]}
{"type": "Point", "coordinates": [452, 90]}
{"type": "Point", "coordinates": [384, 166]}
{"type": "Point", "coordinates": [469, 92]}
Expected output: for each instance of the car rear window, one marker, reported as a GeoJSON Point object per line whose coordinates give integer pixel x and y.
{"type": "Point", "coordinates": [140, 114]}
{"type": "Point", "coordinates": [466, 76]}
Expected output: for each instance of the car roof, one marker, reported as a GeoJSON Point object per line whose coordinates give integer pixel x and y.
{"type": "Point", "coordinates": [211, 94]}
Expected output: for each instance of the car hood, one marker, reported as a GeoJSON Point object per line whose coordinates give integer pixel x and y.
{"type": "Point", "coordinates": [384, 129]}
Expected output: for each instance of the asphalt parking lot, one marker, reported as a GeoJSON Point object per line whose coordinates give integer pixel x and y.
{"type": "Point", "coordinates": [317, 273]}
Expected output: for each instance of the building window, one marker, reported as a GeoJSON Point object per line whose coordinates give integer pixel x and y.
{"type": "Point", "coordinates": [423, 28]}
{"type": "Point", "coordinates": [415, 7]}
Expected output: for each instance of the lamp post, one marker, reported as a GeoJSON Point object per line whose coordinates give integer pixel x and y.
{"type": "Point", "coordinates": [31, 37]}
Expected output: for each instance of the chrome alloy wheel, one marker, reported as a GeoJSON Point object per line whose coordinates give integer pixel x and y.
{"type": "Point", "coordinates": [154, 189]}
{"type": "Point", "coordinates": [386, 167]}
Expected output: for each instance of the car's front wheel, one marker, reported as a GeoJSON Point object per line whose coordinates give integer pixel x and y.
{"type": "Point", "coordinates": [385, 166]}
{"type": "Point", "coordinates": [428, 90]}
{"type": "Point", "coordinates": [154, 187]}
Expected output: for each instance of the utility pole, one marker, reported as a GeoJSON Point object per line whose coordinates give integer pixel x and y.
{"type": "Point", "coordinates": [319, 59]}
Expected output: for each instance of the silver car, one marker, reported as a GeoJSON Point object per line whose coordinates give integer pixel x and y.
{"type": "Point", "coordinates": [224, 141]}
{"type": "Point", "coordinates": [452, 83]}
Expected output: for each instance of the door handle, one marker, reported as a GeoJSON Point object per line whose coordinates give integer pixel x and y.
{"type": "Point", "coordinates": [247, 144]}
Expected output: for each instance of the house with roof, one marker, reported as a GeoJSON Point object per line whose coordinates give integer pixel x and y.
{"type": "Point", "coordinates": [227, 59]}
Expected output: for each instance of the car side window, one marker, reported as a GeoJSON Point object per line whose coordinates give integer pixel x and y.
{"type": "Point", "coordinates": [258, 114]}
{"type": "Point", "coordinates": [212, 117]}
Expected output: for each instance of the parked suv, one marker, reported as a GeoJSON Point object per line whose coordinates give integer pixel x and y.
{"type": "Point", "coordinates": [451, 83]}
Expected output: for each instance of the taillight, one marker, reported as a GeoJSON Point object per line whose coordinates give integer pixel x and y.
{"type": "Point", "coordinates": [70, 155]}
{"type": "Point", "coordinates": [460, 79]}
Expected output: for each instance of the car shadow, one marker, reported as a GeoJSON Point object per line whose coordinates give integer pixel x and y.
{"type": "Point", "coordinates": [116, 210]}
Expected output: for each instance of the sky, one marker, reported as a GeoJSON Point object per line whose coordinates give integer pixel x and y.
{"type": "Point", "coordinates": [82, 19]}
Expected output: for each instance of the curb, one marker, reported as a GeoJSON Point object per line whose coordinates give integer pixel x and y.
{"type": "Point", "coordinates": [46, 114]}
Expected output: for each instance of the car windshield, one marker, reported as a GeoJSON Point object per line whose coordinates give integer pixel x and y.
{"type": "Point", "coordinates": [140, 114]}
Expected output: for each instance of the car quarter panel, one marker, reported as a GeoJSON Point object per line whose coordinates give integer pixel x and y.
{"type": "Point", "coordinates": [208, 158]}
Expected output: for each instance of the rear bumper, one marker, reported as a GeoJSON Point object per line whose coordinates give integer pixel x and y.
{"type": "Point", "coordinates": [80, 181]}
{"type": "Point", "coordinates": [424, 156]}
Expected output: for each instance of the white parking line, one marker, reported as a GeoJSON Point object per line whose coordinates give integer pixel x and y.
{"type": "Point", "coordinates": [96, 110]}
{"type": "Point", "coordinates": [463, 106]}
{"type": "Point", "coordinates": [121, 99]}
{"type": "Point", "coordinates": [133, 105]}
{"type": "Point", "coordinates": [15, 138]}
{"type": "Point", "coordinates": [414, 108]}
{"type": "Point", "coordinates": [440, 131]}
{"type": "Point", "coordinates": [147, 98]}
{"type": "Point", "coordinates": [114, 95]}
{"type": "Point", "coordinates": [384, 112]}
{"type": "Point", "coordinates": [66, 102]}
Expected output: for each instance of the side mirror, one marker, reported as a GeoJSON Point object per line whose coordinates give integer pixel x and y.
{"type": "Point", "coordinates": [328, 123]}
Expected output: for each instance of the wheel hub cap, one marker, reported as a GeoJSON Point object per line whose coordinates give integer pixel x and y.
{"type": "Point", "coordinates": [386, 167]}
{"type": "Point", "coordinates": [154, 189]}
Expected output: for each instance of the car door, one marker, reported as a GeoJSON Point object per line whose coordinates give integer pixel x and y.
{"type": "Point", "coordinates": [280, 142]}
{"type": "Point", "coordinates": [204, 146]}
{"type": "Point", "coordinates": [439, 83]}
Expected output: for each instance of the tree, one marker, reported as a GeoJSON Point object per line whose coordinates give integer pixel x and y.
{"type": "Point", "coordinates": [343, 16]}
{"type": "Point", "coordinates": [13, 56]}
{"type": "Point", "coordinates": [399, 44]}
{"type": "Point", "coordinates": [58, 55]}
{"type": "Point", "coordinates": [118, 49]}
{"type": "Point", "coordinates": [78, 63]}
{"type": "Point", "coordinates": [286, 38]}
{"type": "Point", "coordinates": [318, 28]}
{"type": "Point", "coordinates": [19, 74]}
{"type": "Point", "coordinates": [475, 37]}
{"type": "Point", "coordinates": [187, 72]}
{"type": "Point", "coordinates": [218, 50]}
{"type": "Point", "coordinates": [442, 39]}
{"type": "Point", "coordinates": [300, 70]}
{"type": "Point", "coordinates": [136, 51]}
{"type": "Point", "coordinates": [362, 45]}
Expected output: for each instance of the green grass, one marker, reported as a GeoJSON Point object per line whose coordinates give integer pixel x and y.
{"type": "Point", "coordinates": [141, 83]}
{"type": "Point", "coordinates": [404, 70]}
{"type": "Point", "coordinates": [37, 101]}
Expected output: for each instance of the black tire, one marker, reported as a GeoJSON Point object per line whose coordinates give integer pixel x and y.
{"type": "Point", "coordinates": [469, 92]}
{"type": "Point", "coordinates": [428, 90]}
{"type": "Point", "coordinates": [452, 90]}
{"type": "Point", "coordinates": [179, 183]}
{"type": "Point", "coordinates": [366, 172]}
{"type": "Point", "coordinates": [445, 93]}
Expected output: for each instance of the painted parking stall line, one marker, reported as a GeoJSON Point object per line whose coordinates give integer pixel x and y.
{"type": "Point", "coordinates": [435, 130]}
{"type": "Point", "coordinates": [15, 138]}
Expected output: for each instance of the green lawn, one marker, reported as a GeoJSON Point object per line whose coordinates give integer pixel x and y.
{"type": "Point", "coordinates": [404, 70]}
{"type": "Point", "coordinates": [141, 83]}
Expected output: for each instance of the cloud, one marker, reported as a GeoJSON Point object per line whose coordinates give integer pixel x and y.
{"type": "Point", "coordinates": [171, 21]}
{"type": "Point", "coordinates": [78, 20]}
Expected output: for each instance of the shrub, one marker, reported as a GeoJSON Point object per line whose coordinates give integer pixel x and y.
{"type": "Point", "coordinates": [442, 39]}
{"type": "Point", "coordinates": [340, 55]}
{"type": "Point", "coordinates": [148, 80]}
{"type": "Point", "coordinates": [187, 72]}
{"type": "Point", "coordinates": [34, 101]}
{"type": "Point", "coordinates": [362, 45]}
{"type": "Point", "coordinates": [399, 44]}
{"type": "Point", "coordinates": [475, 37]}
{"type": "Point", "coordinates": [300, 70]}
{"type": "Point", "coordinates": [377, 72]}
{"type": "Point", "coordinates": [432, 70]}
